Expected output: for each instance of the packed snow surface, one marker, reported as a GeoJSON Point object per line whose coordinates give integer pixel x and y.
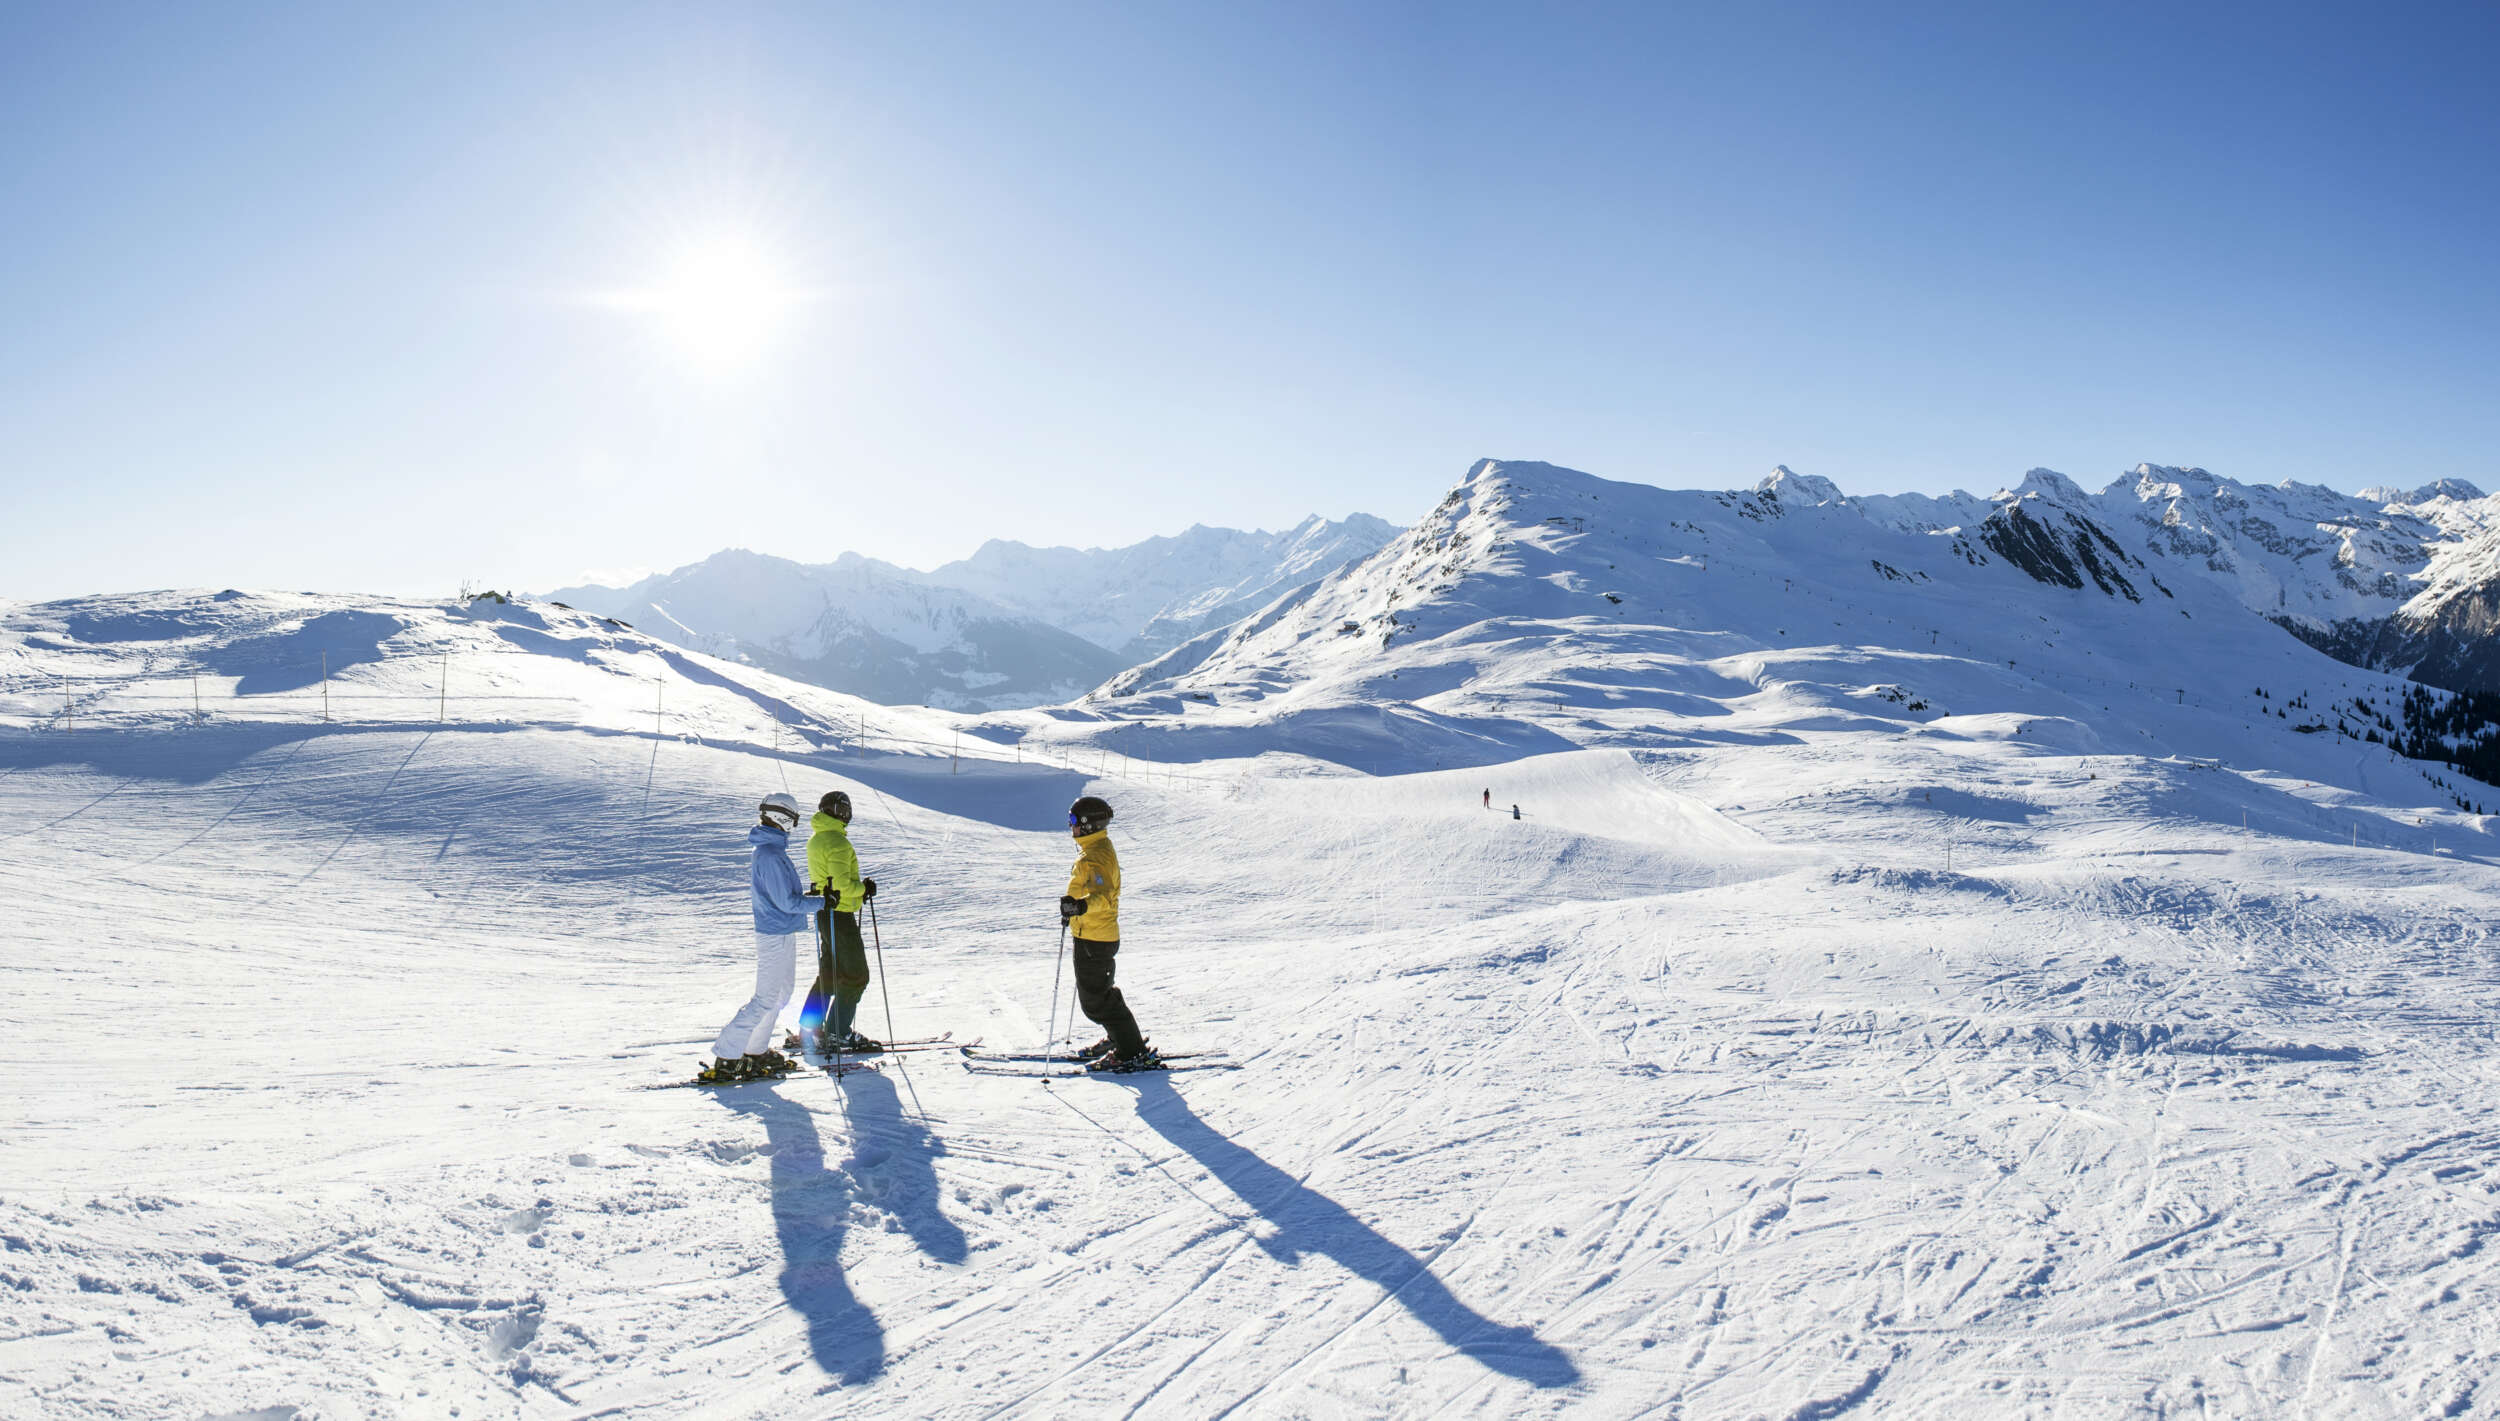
{"type": "Point", "coordinates": [1843, 1025]}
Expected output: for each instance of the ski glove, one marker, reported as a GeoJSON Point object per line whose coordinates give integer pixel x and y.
{"type": "Point", "coordinates": [1070, 908]}
{"type": "Point", "coordinates": [867, 888]}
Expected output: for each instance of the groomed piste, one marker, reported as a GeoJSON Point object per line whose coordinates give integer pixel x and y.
{"type": "Point", "coordinates": [2048, 1047]}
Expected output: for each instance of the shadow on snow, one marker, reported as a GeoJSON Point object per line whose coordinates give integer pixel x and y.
{"type": "Point", "coordinates": [1307, 1221]}
{"type": "Point", "coordinates": [891, 1168]}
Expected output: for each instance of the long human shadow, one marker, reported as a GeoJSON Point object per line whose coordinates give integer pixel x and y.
{"type": "Point", "coordinates": [894, 1165]}
{"type": "Point", "coordinates": [1307, 1221]}
{"type": "Point", "coordinates": [891, 1163]}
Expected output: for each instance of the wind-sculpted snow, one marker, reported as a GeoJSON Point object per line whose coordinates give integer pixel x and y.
{"type": "Point", "coordinates": [1829, 1025]}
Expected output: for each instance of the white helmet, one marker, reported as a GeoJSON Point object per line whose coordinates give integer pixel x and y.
{"type": "Point", "coordinates": [783, 807]}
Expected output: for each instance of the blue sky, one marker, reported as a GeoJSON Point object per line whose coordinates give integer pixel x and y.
{"type": "Point", "coordinates": [368, 298]}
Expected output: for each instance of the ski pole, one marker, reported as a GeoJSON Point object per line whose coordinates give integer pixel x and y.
{"type": "Point", "coordinates": [1059, 964]}
{"type": "Point", "coordinates": [824, 929]}
{"type": "Point", "coordinates": [882, 990]}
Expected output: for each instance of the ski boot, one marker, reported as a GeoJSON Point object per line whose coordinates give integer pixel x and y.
{"type": "Point", "coordinates": [725, 1071]}
{"type": "Point", "coordinates": [761, 1067]}
{"type": "Point", "coordinates": [1141, 1059]}
{"type": "Point", "coordinates": [855, 1044]}
{"type": "Point", "coordinates": [777, 1063]}
{"type": "Point", "coordinates": [1093, 1052]}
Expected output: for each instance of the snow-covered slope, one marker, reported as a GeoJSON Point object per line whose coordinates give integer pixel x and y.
{"type": "Point", "coordinates": [2395, 580]}
{"type": "Point", "coordinates": [2392, 579]}
{"type": "Point", "coordinates": [1146, 598]}
{"type": "Point", "coordinates": [181, 660]}
{"type": "Point", "coordinates": [1860, 1029]}
{"type": "Point", "coordinates": [1538, 607]}
{"type": "Point", "coordinates": [860, 626]}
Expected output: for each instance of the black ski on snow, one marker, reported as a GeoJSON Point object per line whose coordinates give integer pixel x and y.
{"type": "Point", "coordinates": [941, 1043]}
{"type": "Point", "coordinates": [803, 1070]}
{"type": "Point", "coordinates": [944, 1042]}
{"type": "Point", "coordinates": [1069, 1058]}
{"type": "Point", "coordinates": [1058, 1070]}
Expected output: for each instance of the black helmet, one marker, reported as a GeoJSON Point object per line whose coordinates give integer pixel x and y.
{"type": "Point", "coordinates": [1089, 816]}
{"type": "Point", "coordinates": [837, 804]}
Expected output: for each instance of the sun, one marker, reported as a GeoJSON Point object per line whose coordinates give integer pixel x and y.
{"type": "Point", "coordinates": [722, 299]}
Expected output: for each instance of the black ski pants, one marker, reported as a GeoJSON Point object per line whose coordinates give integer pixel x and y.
{"type": "Point", "coordinates": [1096, 962]}
{"type": "Point", "coordinates": [841, 973]}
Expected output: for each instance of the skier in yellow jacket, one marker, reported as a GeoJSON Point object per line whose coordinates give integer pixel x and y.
{"type": "Point", "coordinates": [841, 954]}
{"type": "Point", "coordinates": [1091, 909]}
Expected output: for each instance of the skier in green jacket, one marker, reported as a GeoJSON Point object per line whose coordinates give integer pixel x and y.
{"type": "Point", "coordinates": [828, 1016]}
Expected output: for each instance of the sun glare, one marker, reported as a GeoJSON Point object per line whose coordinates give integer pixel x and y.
{"type": "Point", "coordinates": [722, 300]}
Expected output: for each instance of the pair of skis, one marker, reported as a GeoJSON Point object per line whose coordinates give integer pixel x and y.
{"type": "Point", "coordinates": [1054, 1064]}
{"type": "Point", "coordinates": [851, 1061]}
{"type": "Point", "coordinates": [1046, 1065]}
{"type": "Point", "coordinates": [943, 1042]}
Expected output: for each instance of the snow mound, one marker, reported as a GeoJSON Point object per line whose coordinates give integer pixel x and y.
{"type": "Point", "coordinates": [2054, 734]}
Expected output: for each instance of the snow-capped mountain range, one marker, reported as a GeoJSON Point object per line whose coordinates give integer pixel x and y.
{"type": "Point", "coordinates": [2391, 578]}
{"type": "Point", "coordinates": [1142, 600]}
{"type": "Point", "coordinates": [860, 626]}
{"type": "Point", "coordinates": [1540, 605]}
{"type": "Point", "coordinates": [1010, 626]}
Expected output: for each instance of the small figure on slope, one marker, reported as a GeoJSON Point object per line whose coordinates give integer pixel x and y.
{"type": "Point", "coordinates": [1091, 909]}
{"type": "Point", "coordinates": [1488, 799]}
{"type": "Point", "coordinates": [742, 1053]}
{"type": "Point", "coordinates": [832, 1004]}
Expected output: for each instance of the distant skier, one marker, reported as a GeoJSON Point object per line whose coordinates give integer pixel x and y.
{"type": "Point", "coordinates": [743, 1051]}
{"type": "Point", "coordinates": [841, 954]}
{"type": "Point", "coordinates": [1488, 799]}
{"type": "Point", "coordinates": [1514, 811]}
{"type": "Point", "coordinates": [1091, 909]}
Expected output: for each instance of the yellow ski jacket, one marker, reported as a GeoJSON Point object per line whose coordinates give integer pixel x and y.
{"type": "Point", "coordinates": [1096, 879]}
{"type": "Point", "coordinates": [832, 864]}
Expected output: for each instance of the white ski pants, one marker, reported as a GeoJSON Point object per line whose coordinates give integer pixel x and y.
{"type": "Point", "coordinates": [750, 1032]}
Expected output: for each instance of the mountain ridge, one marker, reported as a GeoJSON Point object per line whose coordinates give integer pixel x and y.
{"type": "Point", "coordinates": [1541, 606]}
{"type": "Point", "coordinates": [857, 625]}
{"type": "Point", "coordinates": [1011, 626]}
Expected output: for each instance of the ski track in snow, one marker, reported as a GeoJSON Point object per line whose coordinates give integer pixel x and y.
{"type": "Point", "coordinates": [1706, 1090]}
